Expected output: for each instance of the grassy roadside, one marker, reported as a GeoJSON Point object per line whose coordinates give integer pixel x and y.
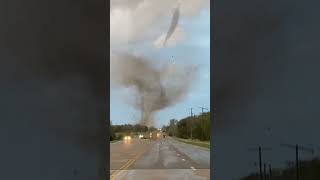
{"type": "Point", "coordinates": [204, 144]}
{"type": "Point", "coordinates": [114, 141]}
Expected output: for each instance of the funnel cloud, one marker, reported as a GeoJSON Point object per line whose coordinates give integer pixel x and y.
{"type": "Point", "coordinates": [155, 88]}
{"type": "Point", "coordinates": [174, 23]}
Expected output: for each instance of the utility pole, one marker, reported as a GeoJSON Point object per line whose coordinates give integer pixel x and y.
{"type": "Point", "coordinates": [191, 124]}
{"type": "Point", "coordinates": [142, 109]}
{"type": "Point", "coordinates": [202, 108]}
{"type": "Point", "coordinates": [297, 148]}
{"type": "Point", "coordinates": [202, 128]}
{"type": "Point", "coordinates": [270, 172]}
{"type": "Point", "coordinates": [259, 149]}
{"type": "Point", "coordinates": [297, 161]}
{"type": "Point", "coordinates": [265, 171]}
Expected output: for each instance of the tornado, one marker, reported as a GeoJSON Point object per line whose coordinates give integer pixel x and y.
{"type": "Point", "coordinates": [173, 25]}
{"type": "Point", "coordinates": [155, 88]}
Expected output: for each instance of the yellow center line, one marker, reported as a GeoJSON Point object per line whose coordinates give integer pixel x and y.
{"type": "Point", "coordinates": [128, 164]}
{"type": "Point", "coordinates": [121, 168]}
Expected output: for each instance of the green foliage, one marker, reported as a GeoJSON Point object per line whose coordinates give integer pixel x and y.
{"type": "Point", "coordinates": [182, 128]}
{"type": "Point", "coordinates": [116, 136]}
{"type": "Point", "coordinates": [193, 142]}
{"type": "Point", "coordinates": [152, 129]}
{"type": "Point", "coordinates": [130, 128]}
{"type": "Point", "coordinates": [198, 126]}
{"type": "Point", "coordinates": [118, 131]}
{"type": "Point", "coordinates": [172, 127]}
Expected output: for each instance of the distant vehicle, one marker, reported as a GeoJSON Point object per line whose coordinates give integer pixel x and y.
{"type": "Point", "coordinates": [141, 136]}
{"type": "Point", "coordinates": [158, 135]}
{"type": "Point", "coordinates": [127, 138]}
{"type": "Point", "coordinates": [154, 135]}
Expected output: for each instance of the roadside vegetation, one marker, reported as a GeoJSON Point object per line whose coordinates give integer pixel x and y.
{"type": "Point", "coordinates": [192, 130]}
{"type": "Point", "coordinates": [308, 170]}
{"type": "Point", "coordinates": [205, 144]}
{"type": "Point", "coordinates": [117, 132]}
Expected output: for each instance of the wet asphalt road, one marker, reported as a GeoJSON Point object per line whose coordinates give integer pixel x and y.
{"type": "Point", "coordinates": [160, 159]}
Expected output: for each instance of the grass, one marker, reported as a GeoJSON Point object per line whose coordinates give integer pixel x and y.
{"type": "Point", "coordinates": [114, 141]}
{"type": "Point", "coordinates": [204, 144]}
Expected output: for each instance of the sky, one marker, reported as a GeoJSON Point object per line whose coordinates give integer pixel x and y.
{"type": "Point", "coordinates": [139, 28]}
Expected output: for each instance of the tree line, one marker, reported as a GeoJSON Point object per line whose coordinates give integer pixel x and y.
{"type": "Point", "coordinates": [195, 127]}
{"type": "Point", "coordinates": [309, 170]}
{"type": "Point", "coordinates": [118, 131]}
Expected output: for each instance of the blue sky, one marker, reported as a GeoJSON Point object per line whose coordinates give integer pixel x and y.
{"type": "Point", "coordinates": [194, 49]}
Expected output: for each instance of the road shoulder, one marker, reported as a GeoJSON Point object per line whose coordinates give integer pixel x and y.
{"type": "Point", "coordinates": [198, 145]}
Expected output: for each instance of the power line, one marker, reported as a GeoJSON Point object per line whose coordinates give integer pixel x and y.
{"type": "Point", "coordinates": [202, 108]}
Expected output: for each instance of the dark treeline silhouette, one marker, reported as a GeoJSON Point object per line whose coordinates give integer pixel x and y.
{"type": "Point", "coordinates": [117, 131]}
{"type": "Point", "coordinates": [196, 127]}
{"type": "Point", "coordinates": [308, 170]}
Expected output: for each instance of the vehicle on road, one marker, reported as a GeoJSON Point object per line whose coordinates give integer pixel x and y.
{"type": "Point", "coordinates": [155, 135]}
{"type": "Point", "coordinates": [127, 138]}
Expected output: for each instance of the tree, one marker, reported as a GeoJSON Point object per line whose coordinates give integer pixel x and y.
{"type": "Point", "coordinates": [112, 133]}
{"type": "Point", "coordinates": [200, 127]}
{"type": "Point", "coordinates": [172, 128]}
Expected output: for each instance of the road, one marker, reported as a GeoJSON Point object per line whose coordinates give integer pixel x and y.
{"type": "Point", "coordinates": [162, 159]}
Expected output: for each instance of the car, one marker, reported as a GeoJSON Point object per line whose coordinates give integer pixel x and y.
{"type": "Point", "coordinates": [127, 138]}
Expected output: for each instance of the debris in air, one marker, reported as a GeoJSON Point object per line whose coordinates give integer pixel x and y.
{"type": "Point", "coordinates": [174, 23]}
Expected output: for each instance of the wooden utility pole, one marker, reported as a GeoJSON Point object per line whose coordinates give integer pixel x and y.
{"type": "Point", "coordinates": [202, 128]}
{"type": "Point", "coordinates": [265, 171]}
{"type": "Point", "coordinates": [202, 108]}
{"type": "Point", "coordinates": [270, 172]}
{"type": "Point", "coordinates": [297, 148]}
{"type": "Point", "coordinates": [259, 149]}
{"type": "Point", "coordinates": [191, 124]}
